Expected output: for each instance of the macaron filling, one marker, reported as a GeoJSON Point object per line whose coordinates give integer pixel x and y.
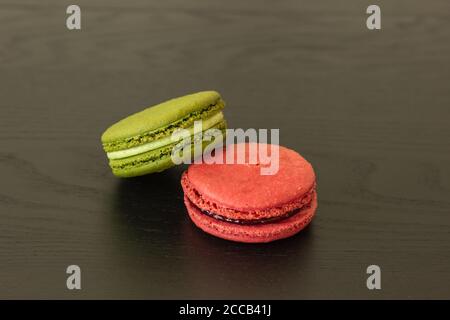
{"type": "Point", "coordinates": [158, 154]}
{"type": "Point", "coordinates": [165, 141]}
{"type": "Point", "coordinates": [185, 122]}
{"type": "Point", "coordinates": [260, 221]}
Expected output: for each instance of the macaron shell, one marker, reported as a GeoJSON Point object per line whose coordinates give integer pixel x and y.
{"type": "Point", "coordinates": [205, 204]}
{"type": "Point", "coordinates": [166, 131]}
{"type": "Point", "coordinates": [159, 115]}
{"type": "Point", "coordinates": [148, 167]}
{"type": "Point", "coordinates": [252, 233]}
{"type": "Point", "coordinates": [155, 160]}
{"type": "Point", "coordinates": [242, 187]}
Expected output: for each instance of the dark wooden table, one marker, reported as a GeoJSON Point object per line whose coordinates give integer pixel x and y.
{"type": "Point", "coordinates": [369, 109]}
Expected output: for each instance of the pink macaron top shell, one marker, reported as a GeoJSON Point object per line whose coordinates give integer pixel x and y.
{"type": "Point", "coordinates": [241, 191]}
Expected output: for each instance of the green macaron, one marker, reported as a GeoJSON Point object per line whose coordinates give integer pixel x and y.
{"type": "Point", "coordinates": [142, 143]}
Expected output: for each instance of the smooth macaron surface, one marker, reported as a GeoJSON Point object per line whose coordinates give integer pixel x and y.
{"type": "Point", "coordinates": [242, 187]}
{"type": "Point", "coordinates": [238, 197]}
{"type": "Point", "coordinates": [165, 117]}
{"type": "Point", "coordinates": [141, 143]}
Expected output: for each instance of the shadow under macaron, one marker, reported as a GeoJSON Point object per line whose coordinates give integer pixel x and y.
{"type": "Point", "coordinates": [246, 270]}
{"type": "Point", "coordinates": [150, 205]}
{"type": "Point", "coordinates": [156, 237]}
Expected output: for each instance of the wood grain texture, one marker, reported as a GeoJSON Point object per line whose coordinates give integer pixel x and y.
{"type": "Point", "coordinates": [370, 110]}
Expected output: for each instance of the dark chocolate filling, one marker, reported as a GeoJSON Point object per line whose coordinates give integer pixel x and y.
{"type": "Point", "coordinates": [253, 221]}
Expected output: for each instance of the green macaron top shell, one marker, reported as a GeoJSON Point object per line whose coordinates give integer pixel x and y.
{"type": "Point", "coordinates": [161, 120]}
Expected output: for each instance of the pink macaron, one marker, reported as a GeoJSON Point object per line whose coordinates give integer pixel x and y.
{"type": "Point", "coordinates": [237, 202]}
